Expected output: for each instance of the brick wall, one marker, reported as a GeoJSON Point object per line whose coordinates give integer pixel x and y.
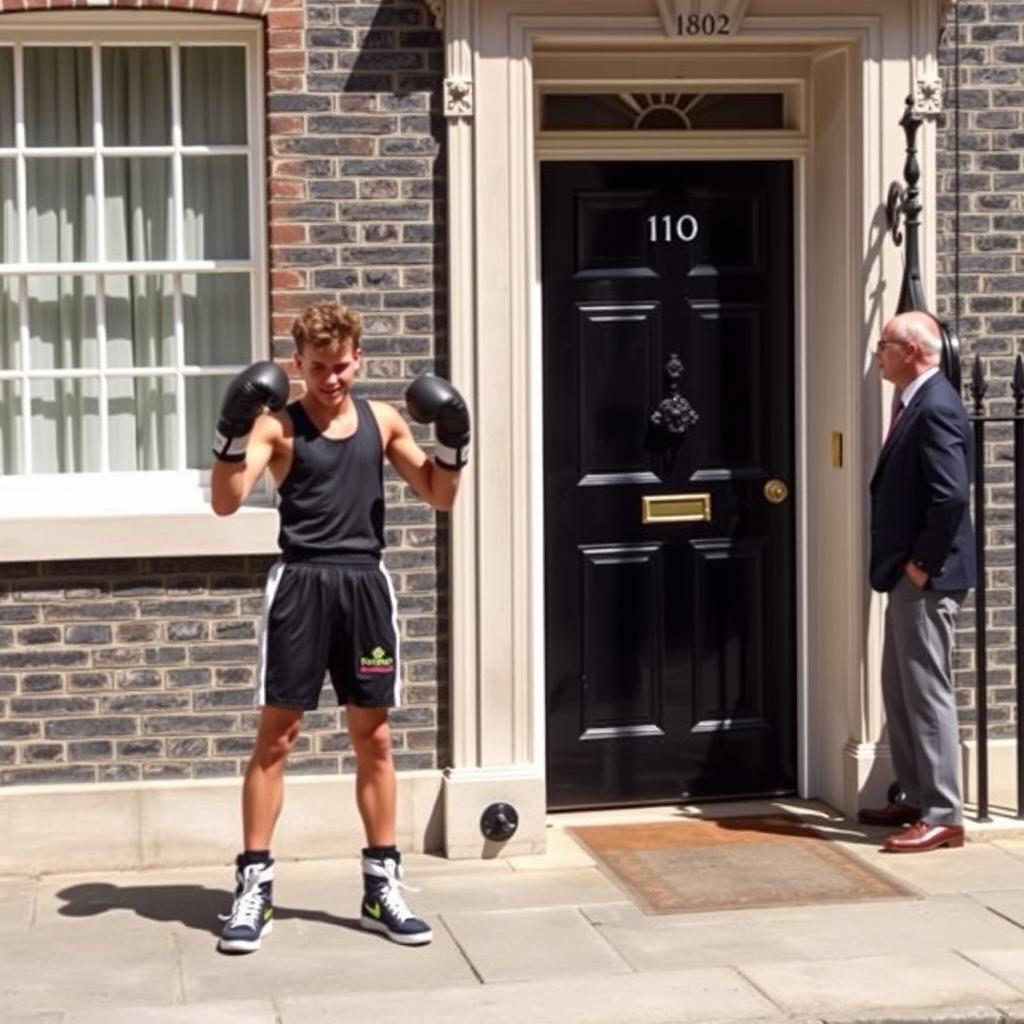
{"type": "Point", "coordinates": [991, 296]}
{"type": "Point", "coordinates": [143, 669]}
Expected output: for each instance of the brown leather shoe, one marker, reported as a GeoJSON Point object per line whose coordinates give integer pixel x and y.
{"type": "Point", "coordinates": [892, 814]}
{"type": "Point", "coordinates": [923, 836]}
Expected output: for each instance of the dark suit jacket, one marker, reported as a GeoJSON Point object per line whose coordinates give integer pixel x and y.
{"type": "Point", "coordinates": [920, 493]}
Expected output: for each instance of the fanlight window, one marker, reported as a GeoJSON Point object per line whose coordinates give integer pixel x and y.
{"type": "Point", "coordinates": [663, 111]}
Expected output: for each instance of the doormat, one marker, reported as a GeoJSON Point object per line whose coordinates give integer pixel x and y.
{"type": "Point", "coordinates": [732, 864]}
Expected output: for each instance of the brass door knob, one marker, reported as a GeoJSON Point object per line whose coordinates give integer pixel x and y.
{"type": "Point", "coordinates": [776, 491]}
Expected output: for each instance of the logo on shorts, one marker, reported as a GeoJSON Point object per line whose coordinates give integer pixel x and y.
{"type": "Point", "coordinates": [377, 662]}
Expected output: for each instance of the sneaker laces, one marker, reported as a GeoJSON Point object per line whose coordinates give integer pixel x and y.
{"type": "Point", "coordinates": [248, 903]}
{"type": "Point", "coordinates": [390, 893]}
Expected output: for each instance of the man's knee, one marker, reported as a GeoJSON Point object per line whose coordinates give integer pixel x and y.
{"type": "Point", "coordinates": [275, 740]}
{"type": "Point", "coordinates": [371, 739]}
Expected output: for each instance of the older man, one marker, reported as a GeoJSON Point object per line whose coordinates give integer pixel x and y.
{"type": "Point", "coordinates": [922, 556]}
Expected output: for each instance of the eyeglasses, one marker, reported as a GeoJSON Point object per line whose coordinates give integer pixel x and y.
{"type": "Point", "coordinates": [883, 343]}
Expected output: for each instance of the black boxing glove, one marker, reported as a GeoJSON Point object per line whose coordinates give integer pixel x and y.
{"type": "Point", "coordinates": [431, 399]}
{"type": "Point", "coordinates": [262, 386]}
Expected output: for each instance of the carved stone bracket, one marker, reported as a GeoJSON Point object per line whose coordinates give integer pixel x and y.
{"type": "Point", "coordinates": [928, 97]}
{"type": "Point", "coordinates": [437, 8]}
{"type": "Point", "coordinates": [458, 97]}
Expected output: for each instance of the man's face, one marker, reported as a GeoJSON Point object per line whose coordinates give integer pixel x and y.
{"type": "Point", "coordinates": [329, 372]}
{"type": "Point", "coordinates": [895, 359]}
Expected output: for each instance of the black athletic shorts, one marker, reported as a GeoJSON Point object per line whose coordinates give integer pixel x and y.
{"type": "Point", "coordinates": [328, 616]}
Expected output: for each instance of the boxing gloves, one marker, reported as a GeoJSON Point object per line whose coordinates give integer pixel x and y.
{"type": "Point", "coordinates": [431, 399]}
{"type": "Point", "coordinates": [262, 385]}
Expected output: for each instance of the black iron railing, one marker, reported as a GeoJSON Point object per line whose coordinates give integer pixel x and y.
{"type": "Point", "coordinates": [980, 420]}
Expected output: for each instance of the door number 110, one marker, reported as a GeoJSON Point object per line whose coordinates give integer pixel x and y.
{"type": "Point", "coordinates": [673, 229]}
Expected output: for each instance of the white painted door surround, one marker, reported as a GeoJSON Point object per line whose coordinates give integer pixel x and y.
{"type": "Point", "coordinates": [851, 66]}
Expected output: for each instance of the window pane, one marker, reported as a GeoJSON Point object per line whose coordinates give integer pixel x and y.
{"type": "Point", "coordinates": [143, 423]}
{"type": "Point", "coordinates": [656, 111]}
{"type": "Point", "coordinates": [6, 96]}
{"type": "Point", "coordinates": [218, 328]}
{"type": "Point", "coordinates": [216, 207]}
{"type": "Point", "coordinates": [62, 323]}
{"type": "Point", "coordinates": [140, 321]}
{"type": "Point", "coordinates": [138, 208]}
{"type": "Point", "coordinates": [10, 349]}
{"type": "Point", "coordinates": [8, 213]}
{"type": "Point", "coordinates": [213, 95]}
{"type": "Point", "coordinates": [202, 407]}
{"type": "Point", "coordinates": [66, 426]}
{"type": "Point", "coordinates": [58, 96]}
{"type": "Point", "coordinates": [136, 96]}
{"type": "Point", "coordinates": [61, 210]}
{"type": "Point", "coordinates": [11, 428]}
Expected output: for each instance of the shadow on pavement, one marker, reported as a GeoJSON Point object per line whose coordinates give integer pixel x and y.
{"type": "Point", "coordinates": [193, 906]}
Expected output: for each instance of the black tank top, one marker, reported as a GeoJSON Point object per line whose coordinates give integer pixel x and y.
{"type": "Point", "coordinates": [332, 500]}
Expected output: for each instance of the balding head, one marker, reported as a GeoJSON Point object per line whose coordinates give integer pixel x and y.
{"type": "Point", "coordinates": [920, 328]}
{"type": "Point", "coordinates": [911, 344]}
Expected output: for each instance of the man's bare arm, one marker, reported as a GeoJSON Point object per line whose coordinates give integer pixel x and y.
{"type": "Point", "coordinates": [433, 483]}
{"type": "Point", "coordinates": [232, 482]}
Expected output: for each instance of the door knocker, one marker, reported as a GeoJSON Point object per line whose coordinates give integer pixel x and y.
{"type": "Point", "coordinates": [674, 415]}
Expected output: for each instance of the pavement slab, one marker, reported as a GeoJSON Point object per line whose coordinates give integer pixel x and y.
{"type": "Point", "coordinates": [243, 1012]}
{"type": "Point", "coordinates": [678, 997]}
{"type": "Point", "coordinates": [812, 933]}
{"type": "Point", "coordinates": [92, 965]}
{"type": "Point", "coordinates": [877, 983]}
{"type": "Point", "coordinates": [17, 901]}
{"type": "Point", "coordinates": [1006, 964]}
{"type": "Point", "coordinates": [923, 1015]}
{"type": "Point", "coordinates": [562, 851]}
{"type": "Point", "coordinates": [1008, 905]}
{"type": "Point", "coordinates": [469, 889]}
{"type": "Point", "coordinates": [184, 900]}
{"type": "Point", "coordinates": [971, 868]}
{"type": "Point", "coordinates": [318, 952]}
{"type": "Point", "coordinates": [518, 945]}
{"type": "Point", "coordinates": [517, 891]}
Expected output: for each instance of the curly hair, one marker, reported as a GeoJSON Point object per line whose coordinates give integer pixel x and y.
{"type": "Point", "coordinates": [327, 325]}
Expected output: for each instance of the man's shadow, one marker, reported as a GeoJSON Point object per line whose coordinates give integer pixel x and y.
{"type": "Point", "coordinates": [194, 906]}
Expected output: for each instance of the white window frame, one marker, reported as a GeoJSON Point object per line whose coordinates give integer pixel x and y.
{"type": "Point", "coordinates": [145, 513]}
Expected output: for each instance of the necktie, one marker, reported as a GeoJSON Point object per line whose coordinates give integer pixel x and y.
{"type": "Point", "coordinates": [896, 413]}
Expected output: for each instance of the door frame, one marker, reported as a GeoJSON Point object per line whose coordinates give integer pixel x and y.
{"type": "Point", "coordinates": [795, 153]}
{"type": "Point", "coordinates": [847, 278]}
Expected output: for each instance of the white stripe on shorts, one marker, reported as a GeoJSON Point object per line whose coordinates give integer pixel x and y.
{"type": "Point", "coordinates": [273, 579]}
{"type": "Point", "coordinates": [394, 625]}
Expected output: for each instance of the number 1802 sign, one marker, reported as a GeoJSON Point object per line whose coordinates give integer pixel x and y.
{"type": "Point", "coordinates": [703, 25]}
{"type": "Point", "coordinates": [669, 228]}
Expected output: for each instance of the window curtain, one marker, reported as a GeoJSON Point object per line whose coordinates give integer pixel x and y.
{"type": "Point", "coordinates": [138, 219]}
{"type": "Point", "coordinates": [218, 327]}
{"type": "Point", "coordinates": [61, 227]}
{"type": "Point", "coordinates": [138, 216]}
{"type": "Point", "coordinates": [10, 357]}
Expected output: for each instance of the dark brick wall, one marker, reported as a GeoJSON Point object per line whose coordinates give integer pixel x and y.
{"type": "Point", "coordinates": [991, 285]}
{"type": "Point", "coordinates": [144, 669]}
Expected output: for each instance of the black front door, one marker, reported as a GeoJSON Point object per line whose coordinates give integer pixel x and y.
{"type": "Point", "coordinates": [668, 453]}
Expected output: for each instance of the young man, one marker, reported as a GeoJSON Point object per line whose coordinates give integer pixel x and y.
{"type": "Point", "coordinates": [329, 603]}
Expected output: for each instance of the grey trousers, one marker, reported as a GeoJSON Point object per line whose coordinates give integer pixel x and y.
{"type": "Point", "coordinates": [917, 687]}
